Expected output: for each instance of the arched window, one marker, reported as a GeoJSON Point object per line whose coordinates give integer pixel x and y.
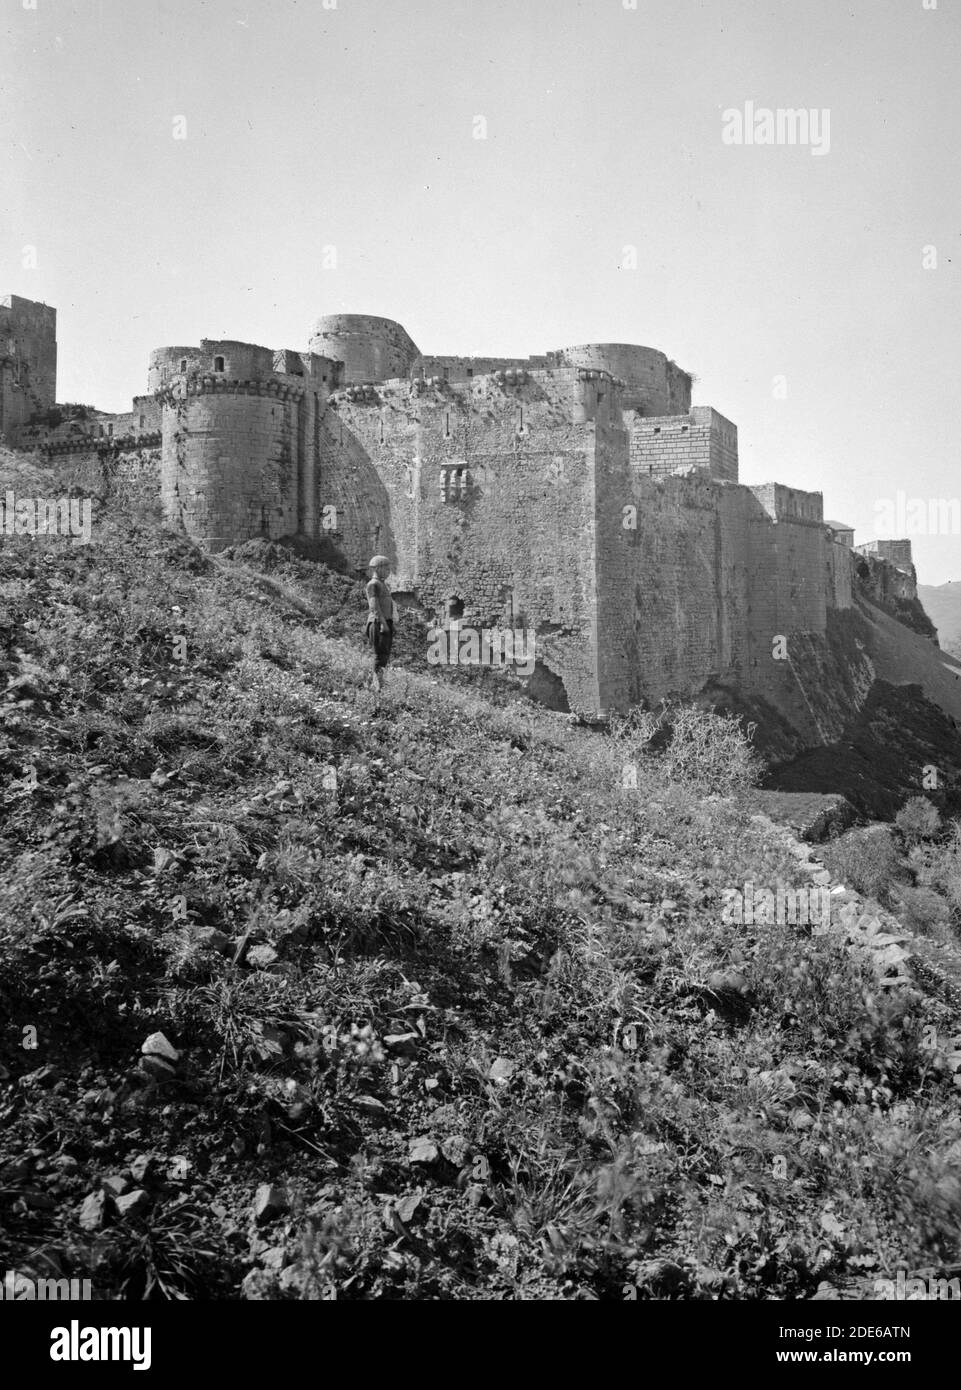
{"type": "Point", "coordinates": [218, 364]}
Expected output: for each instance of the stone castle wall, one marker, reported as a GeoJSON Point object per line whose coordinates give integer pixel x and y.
{"type": "Point", "coordinates": [370, 348]}
{"type": "Point", "coordinates": [28, 363]}
{"type": "Point", "coordinates": [483, 499]}
{"type": "Point", "coordinates": [702, 584]}
{"type": "Point", "coordinates": [701, 439]}
{"type": "Point", "coordinates": [652, 383]}
{"type": "Point", "coordinates": [577, 495]}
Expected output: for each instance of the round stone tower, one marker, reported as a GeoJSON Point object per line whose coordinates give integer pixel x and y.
{"type": "Point", "coordinates": [230, 442]}
{"type": "Point", "coordinates": [653, 383]}
{"type": "Point", "coordinates": [370, 348]}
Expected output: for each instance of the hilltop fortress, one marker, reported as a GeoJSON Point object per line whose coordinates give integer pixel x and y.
{"type": "Point", "coordinates": [578, 495]}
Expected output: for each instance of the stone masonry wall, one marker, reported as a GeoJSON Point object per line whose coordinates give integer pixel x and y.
{"type": "Point", "coordinates": [702, 439]}
{"type": "Point", "coordinates": [697, 584]}
{"type": "Point", "coordinates": [897, 552]}
{"type": "Point", "coordinates": [483, 496]}
{"type": "Point", "coordinates": [371, 349]}
{"type": "Point", "coordinates": [130, 471]}
{"type": "Point", "coordinates": [229, 462]}
{"type": "Point", "coordinates": [510, 500]}
{"type": "Point", "coordinates": [840, 575]}
{"type": "Point", "coordinates": [462, 369]}
{"type": "Point", "coordinates": [28, 362]}
{"type": "Point", "coordinates": [653, 383]}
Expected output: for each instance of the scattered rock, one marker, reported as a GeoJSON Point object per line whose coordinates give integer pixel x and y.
{"type": "Point", "coordinates": [502, 1069]}
{"type": "Point", "coordinates": [405, 1043]}
{"type": "Point", "coordinates": [66, 1164]}
{"type": "Point", "coordinates": [269, 1203]}
{"type": "Point", "coordinates": [141, 1168]}
{"type": "Point", "coordinates": [423, 1150]}
{"type": "Point", "coordinates": [370, 1105]}
{"type": "Point", "coordinates": [259, 1285]}
{"type": "Point", "coordinates": [407, 1206]}
{"type": "Point", "coordinates": [455, 1149]}
{"type": "Point", "coordinates": [260, 957]}
{"type": "Point", "coordinates": [93, 1211]}
{"type": "Point", "coordinates": [158, 1046]}
{"type": "Point", "coordinates": [116, 1184]}
{"type": "Point", "coordinates": [135, 1203]}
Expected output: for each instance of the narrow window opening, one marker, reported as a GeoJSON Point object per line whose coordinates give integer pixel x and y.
{"type": "Point", "coordinates": [141, 422]}
{"type": "Point", "coordinates": [520, 418]}
{"type": "Point", "coordinates": [447, 373]}
{"type": "Point", "coordinates": [447, 423]}
{"type": "Point", "coordinates": [183, 364]}
{"type": "Point", "coordinates": [470, 371]}
{"type": "Point", "coordinates": [455, 609]}
{"type": "Point", "coordinates": [218, 364]}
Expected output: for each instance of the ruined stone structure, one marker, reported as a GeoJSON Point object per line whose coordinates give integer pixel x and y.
{"type": "Point", "coordinates": [28, 363]}
{"type": "Point", "coordinates": [896, 552]}
{"type": "Point", "coordinates": [578, 495]}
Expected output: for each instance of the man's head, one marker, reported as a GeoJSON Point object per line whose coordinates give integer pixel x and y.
{"type": "Point", "coordinates": [380, 566]}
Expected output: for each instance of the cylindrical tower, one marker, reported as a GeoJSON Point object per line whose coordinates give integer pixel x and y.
{"type": "Point", "coordinates": [371, 349]}
{"type": "Point", "coordinates": [229, 459]}
{"type": "Point", "coordinates": [652, 382]}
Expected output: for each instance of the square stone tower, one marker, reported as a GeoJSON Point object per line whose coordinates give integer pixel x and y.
{"type": "Point", "coordinates": [28, 363]}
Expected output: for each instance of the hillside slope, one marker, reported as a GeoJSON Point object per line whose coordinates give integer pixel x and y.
{"type": "Point", "coordinates": [448, 1013]}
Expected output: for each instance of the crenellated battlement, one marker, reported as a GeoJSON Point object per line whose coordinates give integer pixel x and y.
{"type": "Point", "coordinates": [217, 385]}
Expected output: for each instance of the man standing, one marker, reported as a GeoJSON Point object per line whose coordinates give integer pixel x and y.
{"type": "Point", "coordinates": [380, 618]}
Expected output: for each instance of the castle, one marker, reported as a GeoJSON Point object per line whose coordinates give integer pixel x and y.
{"type": "Point", "coordinates": [578, 495]}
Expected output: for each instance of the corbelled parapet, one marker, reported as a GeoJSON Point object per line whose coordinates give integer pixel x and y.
{"type": "Point", "coordinates": [216, 385]}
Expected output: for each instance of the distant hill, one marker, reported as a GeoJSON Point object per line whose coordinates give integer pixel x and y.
{"type": "Point", "coordinates": [942, 603]}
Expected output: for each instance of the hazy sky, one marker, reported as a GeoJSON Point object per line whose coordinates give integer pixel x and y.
{"type": "Point", "coordinates": [353, 125]}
